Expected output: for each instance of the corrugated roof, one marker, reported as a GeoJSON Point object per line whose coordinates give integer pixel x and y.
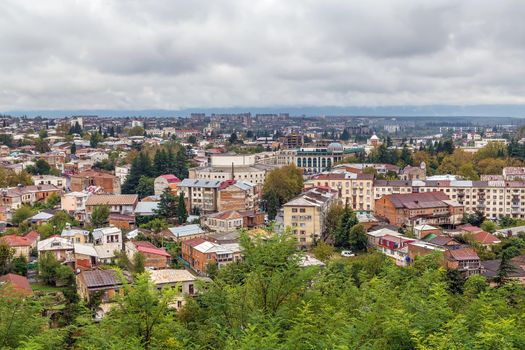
{"type": "Point", "coordinates": [463, 254]}
{"type": "Point", "coordinates": [112, 199]}
{"type": "Point", "coordinates": [100, 278]}
{"type": "Point", "coordinates": [171, 276]}
{"type": "Point", "coordinates": [200, 183]}
{"type": "Point", "coordinates": [187, 230]}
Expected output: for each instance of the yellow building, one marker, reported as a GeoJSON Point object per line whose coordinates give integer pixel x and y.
{"type": "Point", "coordinates": [354, 189]}
{"type": "Point", "coordinates": [305, 214]}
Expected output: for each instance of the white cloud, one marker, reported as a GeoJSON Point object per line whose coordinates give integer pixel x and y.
{"type": "Point", "coordinates": [177, 54]}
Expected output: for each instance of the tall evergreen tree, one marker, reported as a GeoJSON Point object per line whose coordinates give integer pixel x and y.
{"type": "Point", "coordinates": [141, 166]}
{"type": "Point", "coordinates": [161, 162]}
{"type": "Point", "coordinates": [181, 168]}
{"type": "Point", "coordinates": [167, 207]}
{"type": "Point", "coordinates": [182, 213]}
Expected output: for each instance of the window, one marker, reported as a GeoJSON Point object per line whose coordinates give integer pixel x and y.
{"type": "Point", "coordinates": [191, 289]}
{"type": "Point", "coordinates": [302, 210]}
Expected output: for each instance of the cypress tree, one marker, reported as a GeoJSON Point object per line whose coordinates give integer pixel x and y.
{"type": "Point", "coordinates": [182, 213]}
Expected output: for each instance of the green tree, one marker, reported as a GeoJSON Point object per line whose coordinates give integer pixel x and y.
{"type": "Point", "coordinates": [95, 139]}
{"type": "Point", "coordinates": [20, 318]}
{"type": "Point", "coordinates": [41, 167]}
{"type": "Point", "coordinates": [285, 182]}
{"type": "Point", "coordinates": [323, 251]}
{"type": "Point", "coordinates": [141, 166]}
{"type": "Point", "coordinates": [505, 268]}
{"type": "Point", "coordinates": [357, 238]}
{"type": "Point", "coordinates": [145, 187]}
{"type": "Point", "coordinates": [489, 226]}
{"type": "Point", "coordinates": [182, 213]}
{"type": "Point", "coordinates": [347, 220]}
{"type": "Point", "coordinates": [100, 215]}
{"type": "Point", "coordinates": [22, 214]}
{"type": "Point", "coordinates": [73, 148]}
{"type": "Point", "coordinates": [136, 131]}
{"type": "Point", "coordinates": [156, 225]}
{"type": "Point", "coordinates": [233, 138]}
{"type": "Point", "coordinates": [167, 207]}
{"type": "Point", "coordinates": [19, 265]}
{"type": "Point", "coordinates": [6, 256]}
{"type": "Point", "coordinates": [138, 262]}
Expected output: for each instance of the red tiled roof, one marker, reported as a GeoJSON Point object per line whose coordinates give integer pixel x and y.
{"type": "Point", "coordinates": [194, 241]}
{"type": "Point", "coordinates": [149, 250]}
{"type": "Point", "coordinates": [32, 236]}
{"type": "Point", "coordinates": [19, 283]}
{"type": "Point", "coordinates": [16, 241]}
{"type": "Point", "coordinates": [171, 178]}
{"type": "Point", "coordinates": [471, 228]}
{"type": "Point", "coordinates": [485, 238]}
{"type": "Point", "coordinates": [418, 200]}
{"type": "Point", "coordinates": [463, 254]}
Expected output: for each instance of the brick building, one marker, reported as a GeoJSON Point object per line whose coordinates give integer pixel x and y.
{"type": "Point", "coordinates": [410, 209]}
{"type": "Point", "coordinates": [108, 182]}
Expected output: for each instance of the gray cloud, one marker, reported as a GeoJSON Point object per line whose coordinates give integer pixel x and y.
{"type": "Point", "coordinates": [179, 54]}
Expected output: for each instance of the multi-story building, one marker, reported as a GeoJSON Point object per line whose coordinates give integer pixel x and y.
{"type": "Point", "coordinates": [57, 181]}
{"type": "Point", "coordinates": [232, 167]}
{"type": "Point", "coordinates": [353, 189]}
{"type": "Point", "coordinates": [123, 204]}
{"type": "Point", "coordinates": [318, 159]}
{"type": "Point", "coordinates": [305, 214]}
{"type": "Point", "coordinates": [108, 182]}
{"type": "Point", "coordinates": [75, 204]}
{"type": "Point", "coordinates": [15, 197]}
{"type": "Point", "coordinates": [411, 209]}
{"type": "Point", "coordinates": [164, 181]}
{"type": "Point", "coordinates": [199, 253]}
{"type": "Point", "coordinates": [200, 194]}
{"type": "Point", "coordinates": [465, 260]}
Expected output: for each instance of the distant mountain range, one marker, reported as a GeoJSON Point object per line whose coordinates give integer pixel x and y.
{"type": "Point", "coordinates": [513, 111]}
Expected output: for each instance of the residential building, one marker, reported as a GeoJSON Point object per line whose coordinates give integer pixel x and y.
{"type": "Point", "coordinates": [199, 253]}
{"type": "Point", "coordinates": [15, 197]}
{"type": "Point", "coordinates": [182, 279]}
{"type": "Point", "coordinates": [200, 195]}
{"type": "Point", "coordinates": [314, 160]}
{"type": "Point", "coordinates": [74, 203]}
{"type": "Point", "coordinates": [107, 241]}
{"type": "Point", "coordinates": [411, 209]}
{"type": "Point", "coordinates": [23, 245]}
{"type": "Point", "coordinates": [57, 181]}
{"type": "Point", "coordinates": [465, 260]}
{"type": "Point", "coordinates": [92, 282]}
{"type": "Point", "coordinates": [60, 247]}
{"type": "Point", "coordinates": [166, 181]}
{"type": "Point", "coordinates": [182, 233]}
{"type": "Point", "coordinates": [19, 284]}
{"type": "Point", "coordinates": [305, 214]}
{"type": "Point", "coordinates": [118, 203]}
{"type": "Point", "coordinates": [414, 173]}
{"type": "Point", "coordinates": [353, 189]}
{"type": "Point", "coordinates": [154, 258]}
{"type": "Point", "coordinates": [108, 182]}
{"type": "Point", "coordinates": [237, 195]}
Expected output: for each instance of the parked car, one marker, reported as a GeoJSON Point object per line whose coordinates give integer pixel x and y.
{"type": "Point", "coordinates": [347, 253]}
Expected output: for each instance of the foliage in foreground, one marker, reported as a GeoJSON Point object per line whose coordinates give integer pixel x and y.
{"type": "Point", "coordinates": [269, 302]}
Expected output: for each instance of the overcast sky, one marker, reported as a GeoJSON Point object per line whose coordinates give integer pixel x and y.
{"type": "Point", "coordinates": [247, 53]}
